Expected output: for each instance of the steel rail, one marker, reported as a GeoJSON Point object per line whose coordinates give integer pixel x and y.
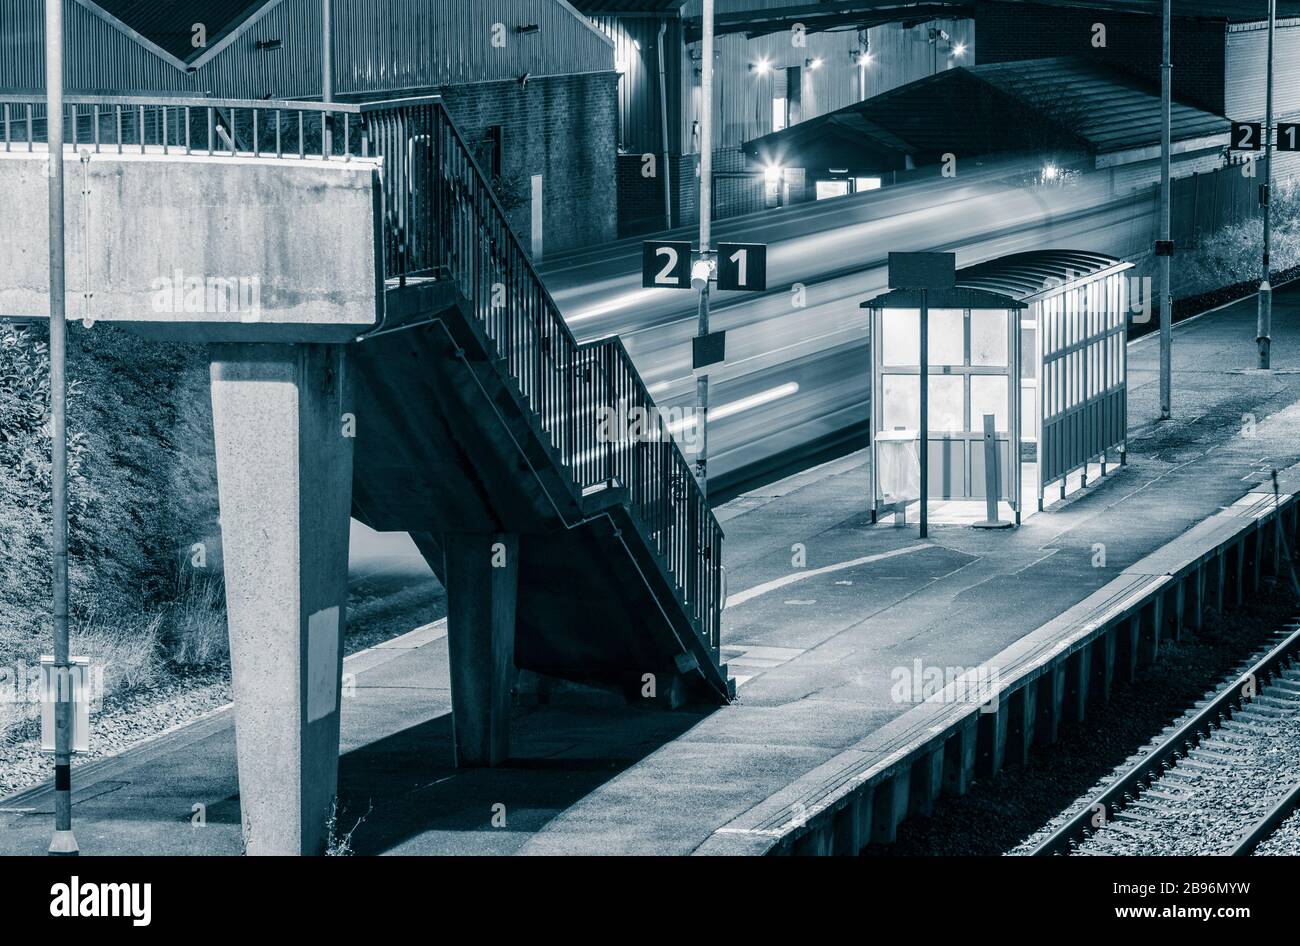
{"type": "Point", "coordinates": [1160, 759]}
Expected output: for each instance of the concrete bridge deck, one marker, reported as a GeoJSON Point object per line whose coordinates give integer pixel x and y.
{"type": "Point", "coordinates": [814, 651]}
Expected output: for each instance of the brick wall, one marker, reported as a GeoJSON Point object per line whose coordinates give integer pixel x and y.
{"type": "Point", "coordinates": [1012, 32]}
{"type": "Point", "coordinates": [564, 128]}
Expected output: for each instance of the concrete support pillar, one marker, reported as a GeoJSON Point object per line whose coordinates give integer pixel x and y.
{"type": "Point", "coordinates": [482, 572]}
{"type": "Point", "coordinates": [284, 468]}
{"type": "Point", "coordinates": [1239, 573]}
{"type": "Point", "coordinates": [851, 829]}
{"type": "Point", "coordinates": [1022, 718]}
{"type": "Point", "coordinates": [1078, 672]}
{"type": "Point", "coordinates": [927, 782]}
{"type": "Point", "coordinates": [1103, 663]}
{"type": "Point", "coordinates": [959, 757]}
{"type": "Point", "coordinates": [1180, 608]}
{"type": "Point", "coordinates": [1220, 580]}
{"type": "Point", "coordinates": [1198, 613]}
{"type": "Point", "coordinates": [992, 736]}
{"type": "Point", "coordinates": [889, 806]}
{"type": "Point", "coordinates": [1051, 704]}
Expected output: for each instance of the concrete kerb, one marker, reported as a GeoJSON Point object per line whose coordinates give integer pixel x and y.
{"type": "Point", "coordinates": [860, 796]}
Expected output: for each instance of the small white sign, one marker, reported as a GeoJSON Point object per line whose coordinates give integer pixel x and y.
{"type": "Point", "coordinates": [75, 687]}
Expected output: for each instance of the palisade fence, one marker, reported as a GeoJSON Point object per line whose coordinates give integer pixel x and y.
{"type": "Point", "coordinates": [441, 220]}
{"type": "Point", "coordinates": [1202, 204]}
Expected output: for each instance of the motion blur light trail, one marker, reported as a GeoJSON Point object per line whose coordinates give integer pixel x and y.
{"type": "Point", "coordinates": [807, 337]}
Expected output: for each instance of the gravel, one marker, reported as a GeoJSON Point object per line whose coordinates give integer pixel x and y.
{"type": "Point", "coordinates": [1000, 814]}
{"type": "Point", "coordinates": [378, 610]}
{"type": "Point", "coordinates": [121, 722]}
{"type": "Point", "coordinates": [1215, 794]}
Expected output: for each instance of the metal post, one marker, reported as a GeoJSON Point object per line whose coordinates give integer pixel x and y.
{"type": "Point", "coordinates": [706, 236]}
{"type": "Point", "coordinates": [1166, 292]}
{"type": "Point", "coordinates": [327, 70]}
{"type": "Point", "coordinates": [924, 433]}
{"type": "Point", "coordinates": [1264, 325]}
{"type": "Point", "coordinates": [63, 842]}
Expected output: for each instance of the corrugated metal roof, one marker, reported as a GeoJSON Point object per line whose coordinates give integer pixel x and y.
{"type": "Point", "coordinates": [593, 7]}
{"type": "Point", "coordinates": [1109, 110]}
{"type": "Point", "coordinates": [1231, 11]}
{"type": "Point", "coordinates": [1026, 274]}
{"type": "Point", "coordinates": [1043, 104]}
{"type": "Point", "coordinates": [171, 25]}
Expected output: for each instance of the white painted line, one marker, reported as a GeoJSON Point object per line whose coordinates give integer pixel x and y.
{"type": "Point", "coordinates": [750, 593]}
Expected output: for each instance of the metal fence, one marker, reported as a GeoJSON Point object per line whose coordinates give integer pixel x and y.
{"type": "Point", "coordinates": [441, 219]}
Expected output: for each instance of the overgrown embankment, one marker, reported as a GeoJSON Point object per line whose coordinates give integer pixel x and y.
{"type": "Point", "coordinates": [144, 561]}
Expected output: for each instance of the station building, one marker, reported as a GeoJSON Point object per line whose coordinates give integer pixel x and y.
{"type": "Point", "coordinates": [1219, 48]}
{"type": "Point", "coordinates": [778, 63]}
{"type": "Point", "coordinates": [1065, 112]}
{"type": "Point", "coordinates": [531, 84]}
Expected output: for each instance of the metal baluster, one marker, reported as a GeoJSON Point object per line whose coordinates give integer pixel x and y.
{"type": "Point", "coordinates": [140, 127]}
{"type": "Point", "coordinates": [257, 145]}
{"type": "Point", "coordinates": [166, 137]}
{"type": "Point", "coordinates": [96, 129]}
{"type": "Point", "coordinates": [302, 147]}
{"type": "Point", "coordinates": [279, 151]}
{"type": "Point", "coordinates": [211, 131]}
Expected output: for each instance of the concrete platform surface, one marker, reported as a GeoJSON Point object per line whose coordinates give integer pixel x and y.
{"type": "Point", "coordinates": [830, 621]}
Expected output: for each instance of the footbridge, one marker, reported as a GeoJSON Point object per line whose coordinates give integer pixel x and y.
{"type": "Point", "coordinates": [382, 347]}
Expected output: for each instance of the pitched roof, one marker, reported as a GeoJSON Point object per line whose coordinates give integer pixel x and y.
{"type": "Point", "coordinates": [1042, 104]}
{"type": "Point", "coordinates": [1109, 110]}
{"type": "Point", "coordinates": [170, 25]}
{"type": "Point", "coordinates": [1231, 11]}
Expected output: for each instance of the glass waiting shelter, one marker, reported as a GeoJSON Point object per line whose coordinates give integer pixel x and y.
{"type": "Point", "coordinates": [973, 367]}
{"type": "Point", "coordinates": [1074, 354]}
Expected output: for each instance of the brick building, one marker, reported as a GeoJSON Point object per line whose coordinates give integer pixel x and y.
{"type": "Point", "coordinates": [531, 84]}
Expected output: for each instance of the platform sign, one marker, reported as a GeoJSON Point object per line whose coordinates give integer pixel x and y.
{"type": "Point", "coordinates": [922, 270]}
{"type": "Point", "coordinates": [665, 265]}
{"type": "Point", "coordinates": [1246, 136]}
{"type": "Point", "coordinates": [1288, 136]}
{"type": "Point", "coordinates": [708, 350]}
{"type": "Point", "coordinates": [742, 267]}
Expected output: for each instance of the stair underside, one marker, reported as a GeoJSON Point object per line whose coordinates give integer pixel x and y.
{"type": "Point", "coordinates": [446, 444]}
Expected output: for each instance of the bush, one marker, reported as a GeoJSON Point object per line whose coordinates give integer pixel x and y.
{"type": "Point", "coordinates": [142, 479]}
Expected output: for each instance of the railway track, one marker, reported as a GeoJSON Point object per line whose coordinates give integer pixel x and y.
{"type": "Point", "coordinates": [1220, 780]}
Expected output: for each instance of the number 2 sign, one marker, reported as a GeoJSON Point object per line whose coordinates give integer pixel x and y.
{"type": "Point", "coordinates": [665, 265]}
{"type": "Point", "coordinates": [1246, 136]}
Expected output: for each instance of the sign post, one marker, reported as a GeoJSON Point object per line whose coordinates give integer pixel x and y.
{"type": "Point", "coordinates": [64, 842]}
{"type": "Point", "coordinates": [923, 271]}
{"type": "Point", "coordinates": [741, 267]}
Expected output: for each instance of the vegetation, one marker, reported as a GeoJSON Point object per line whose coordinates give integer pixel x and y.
{"type": "Point", "coordinates": [142, 504]}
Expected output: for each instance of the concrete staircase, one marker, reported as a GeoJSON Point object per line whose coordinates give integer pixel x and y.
{"type": "Point", "coordinates": [482, 431]}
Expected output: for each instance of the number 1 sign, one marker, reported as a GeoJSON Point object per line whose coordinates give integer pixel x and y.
{"type": "Point", "coordinates": [742, 267]}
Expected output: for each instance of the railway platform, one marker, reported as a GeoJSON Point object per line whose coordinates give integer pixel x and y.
{"type": "Point", "coordinates": [836, 631]}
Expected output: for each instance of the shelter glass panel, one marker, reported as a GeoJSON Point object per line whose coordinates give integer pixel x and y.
{"type": "Point", "coordinates": [900, 342]}
{"type": "Point", "coordinates": [988, 337]}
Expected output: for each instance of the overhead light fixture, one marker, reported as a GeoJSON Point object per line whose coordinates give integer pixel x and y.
{"type": "Point", "coordinates": [269, 45]}
{"type": "Point", "coordinates": [761, 67]}
{"type": "Point", "coordinates": [813, 63]}
{"type": "Point", "coordinates": [530, 28]}
{"type": "Point", "coordinates": [959, 49]}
